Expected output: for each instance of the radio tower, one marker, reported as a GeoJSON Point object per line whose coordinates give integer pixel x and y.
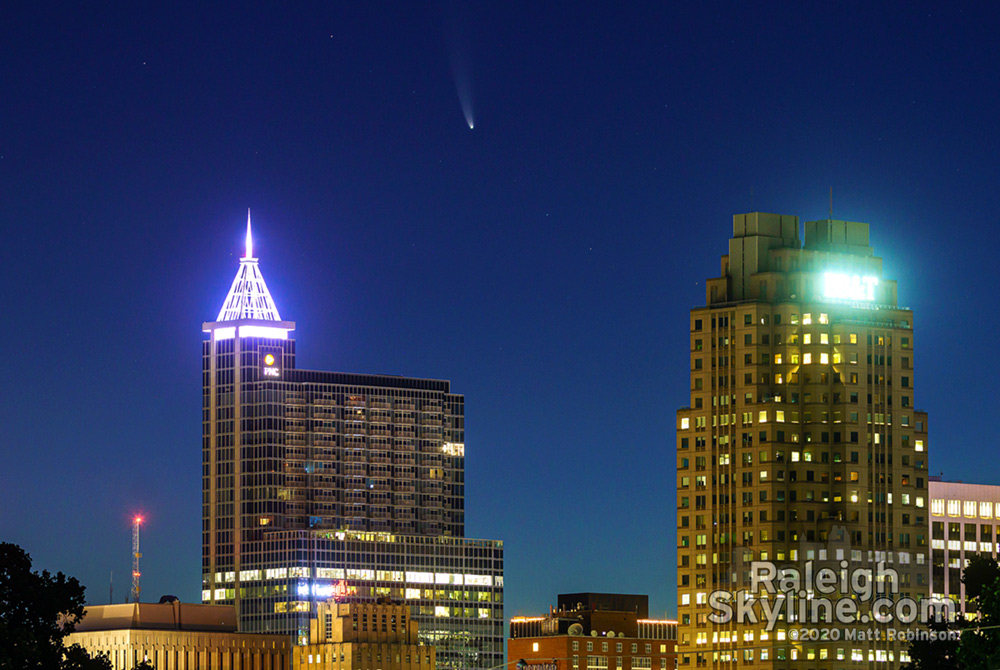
{"type": "Point", "coordinates": [135, 558]}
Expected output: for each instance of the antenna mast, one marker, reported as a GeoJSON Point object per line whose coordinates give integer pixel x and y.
{"type": "Point", "coordinates": [135, 558]}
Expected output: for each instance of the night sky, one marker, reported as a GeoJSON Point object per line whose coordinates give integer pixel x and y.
{"type": "Point", "coordinates": [544, 261]}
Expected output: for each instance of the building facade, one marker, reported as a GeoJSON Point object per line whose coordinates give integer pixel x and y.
{"type": "Point", "coordinates": [363, 636]}
{"type": "Point", "coordinates": [320, 484]}
{"type": "Point", "coordinates": [581, 637]}
{"type": "Point", "coordinates": [964, 522]}
{"type": "Point", "coordinates": [177, 636]}
{"type": "Point", "coordinates": [801, 449]}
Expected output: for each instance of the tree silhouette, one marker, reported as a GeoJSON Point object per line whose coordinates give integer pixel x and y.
{"type": "Point", "coordinates": [36, 612]}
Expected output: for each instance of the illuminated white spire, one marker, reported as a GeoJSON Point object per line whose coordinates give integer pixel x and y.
{"type": "Point", "coordinates": [248, 297]}
{"type": "Point", "coordinates": [249, 253]}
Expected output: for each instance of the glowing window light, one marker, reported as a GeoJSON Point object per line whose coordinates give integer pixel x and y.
{"type": "Point", "coordinates": [453, 448]}
{"type": "Point", "coordinates": [264, 331]}
{"type": "Point", "coordinates": [224, 333]}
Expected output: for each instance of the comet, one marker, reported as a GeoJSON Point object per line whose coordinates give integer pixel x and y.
{"type": "Point", "coordinates": [463, 87]}
{"type": "Point", "coordinates": [456, 29]}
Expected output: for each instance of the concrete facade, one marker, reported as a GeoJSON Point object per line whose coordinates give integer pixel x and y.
{"type": "Point", "coordinates": [177, 636]}
{"type": "Point", "coordinates": [364, 636]}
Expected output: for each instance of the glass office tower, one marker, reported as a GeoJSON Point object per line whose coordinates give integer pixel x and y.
{"type": "Point", "coordinates": [325, 484]}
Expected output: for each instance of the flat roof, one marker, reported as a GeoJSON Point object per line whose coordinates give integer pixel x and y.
{"type": "Point", "coordinates": [159, 616]}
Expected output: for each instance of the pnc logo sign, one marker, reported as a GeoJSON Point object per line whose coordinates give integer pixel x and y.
{"type": "Point", "coordinates": [270, 363]}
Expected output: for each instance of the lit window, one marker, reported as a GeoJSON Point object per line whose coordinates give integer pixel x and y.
{"type": "Point", "coordinates": [779, 416]}
{"type": "Point", "coordinates": [685, 424]}
{"type": "Point", "coordinates": [823, 318]}
{"type": "Point", "coordinates": [937, 506]}
{"type": "Point", "coordinates": [920, 501]}
{"type": "Point", "coordinates": [807, 359]}
{"type": "Point", "coordinates": [795, 457]}
{"type": "Point", "coordinates": [807, 319]}
{"type": "Point", "coordinates": [954, 507]}
{"type": "Point", "coordinates": [824, 358]}
{"type": "Point", "coordinates": [807, 338]}
{"type": "Point", "coordinates": [986, 510]}
{"type": "Point", "coordinates": [777, 358]}
{"type": "Point", "coordinates": [685, 599]}
{"type": "Point", "coordinates": [824, 338]}
{"type": "Point", "coordinates": [853, 338]}
{"type": "Point", "coordinates": [534, 646]}
{"type": "Point", "coordinates": [762, 416]}
{"type": "Point", "coordinates": [918, 445]}
{"type": "Point", "coordinates": [969, 508]}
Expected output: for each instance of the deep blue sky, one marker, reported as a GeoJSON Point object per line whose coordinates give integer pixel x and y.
{"type": "Point", "coordinates": [543, 261]}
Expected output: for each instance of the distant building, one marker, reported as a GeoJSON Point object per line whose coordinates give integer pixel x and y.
{"type": "Point", "coordinates": [363, 636]}
{"type": "Point", "coordinates": [584, 636]}
{"type": "Point", "coordinates": [965, 521]}
{"type": "Point", "coordinates": [177, 636]}
{"type": "Point", "coordinates": [612, 602]}
{"type": "Point", "coordinates": [319, 484]}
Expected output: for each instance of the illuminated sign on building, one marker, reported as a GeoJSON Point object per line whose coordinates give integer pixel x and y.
{"type": "Point", "coordinates": [849, 287]}
{"type": "Point", "coordinates": [270, 363]}
{"type": "Point", "coordinates": [524, 665]}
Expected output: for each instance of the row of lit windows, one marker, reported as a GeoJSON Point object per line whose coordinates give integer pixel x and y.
{"type": "Point", "coordinates": [966, 508]}
{"type": "Point", "coordinates": [959, 545]}
{"type": "Point", "coordinates": [792, 416]}
{"type": "Point", "coordinates": [618, 647]}
{"type": "Point", "coordinates": [806, 320]}
{"type": "Point", "coordinates": [794, 654]}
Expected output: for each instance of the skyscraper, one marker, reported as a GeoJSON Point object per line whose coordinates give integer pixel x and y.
{"type": "Point", "coordinates": [801, 448]}
{"type": "Point", "coordinates": [325, 484]}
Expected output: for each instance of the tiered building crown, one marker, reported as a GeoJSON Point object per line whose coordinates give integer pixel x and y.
{"type": "Point", "coordinates": [248, 297]}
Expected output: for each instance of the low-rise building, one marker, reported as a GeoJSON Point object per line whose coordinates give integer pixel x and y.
{"type": "Point", "coordinates": [579, 635]}
{"type": "Point", "coordinates": [173, 635]}
{"type": "Point", "coordinates": [363, 636]}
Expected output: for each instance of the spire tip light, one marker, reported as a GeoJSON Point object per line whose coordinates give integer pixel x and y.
{"type": "Point", "coordinates": [249, 237]}
{"type": "Point", "coordinates": [248, 297]}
